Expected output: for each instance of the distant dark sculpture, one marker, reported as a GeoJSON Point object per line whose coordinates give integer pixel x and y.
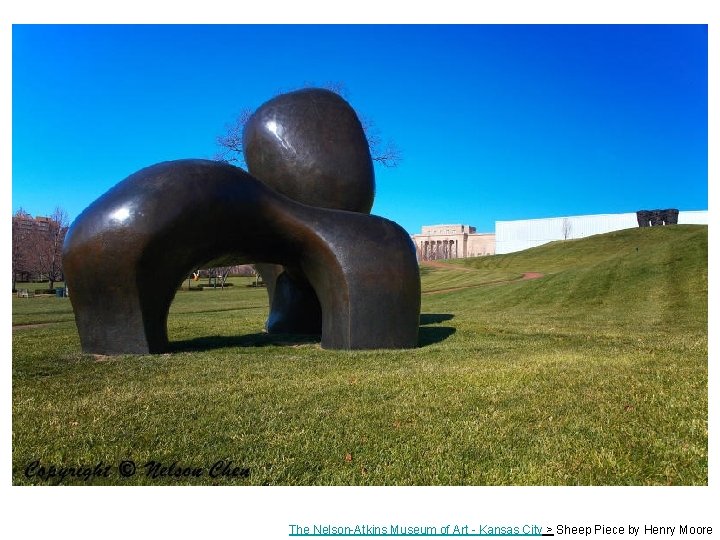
{"type": "Point", "coordinates": [656, 218]}
{"type": "Point", "coordinates": [354, 275]}
{"type": "Point", "coordinates": [671, 216]}
{"type": "Point", "coordinates": [643, 217]}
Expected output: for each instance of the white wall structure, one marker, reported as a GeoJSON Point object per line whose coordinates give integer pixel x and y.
{"type": "Point", "coordinates": [511, 236]}
{"type": "Point", "coordinates": [693, 217]}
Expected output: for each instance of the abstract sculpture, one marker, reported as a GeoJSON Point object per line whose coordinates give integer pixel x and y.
{"type": "Point", "coordinates": [657, 218]}
{"type": "Point", "coordinates": [354, 275]}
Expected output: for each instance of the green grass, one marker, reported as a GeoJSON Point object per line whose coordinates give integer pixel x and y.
{"type": "Point", "coordinates": [595, 374]}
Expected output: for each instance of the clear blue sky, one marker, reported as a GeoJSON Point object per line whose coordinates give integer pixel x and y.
{"type": "Point", "coordinates": [494, 122]}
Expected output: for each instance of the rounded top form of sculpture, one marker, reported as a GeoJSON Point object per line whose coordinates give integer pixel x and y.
{"type": "Point", "coordinates": [310, 146]}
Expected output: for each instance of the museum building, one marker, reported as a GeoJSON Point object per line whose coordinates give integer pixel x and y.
{"type": "Point", "coordinates": [452, 242]}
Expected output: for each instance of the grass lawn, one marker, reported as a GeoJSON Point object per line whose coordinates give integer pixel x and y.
{"type": "Point", "coordinates": [594, 374]}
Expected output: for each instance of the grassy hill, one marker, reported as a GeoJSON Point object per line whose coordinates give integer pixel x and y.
{"type": "Point", "coordinates": [595, 373]}
{"type": "Point", "coordinates": [653, 278]}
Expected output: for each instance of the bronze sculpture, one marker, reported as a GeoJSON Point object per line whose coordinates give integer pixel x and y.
{"type": "Point", "coordinates": [655, 218]}
{"type": "Point", "coordinates": [353, 274]}
{"type": "Point", "coordinates": [310, 146]}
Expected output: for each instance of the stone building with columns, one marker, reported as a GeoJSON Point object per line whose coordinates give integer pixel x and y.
{"type": "Point", "coordinates": [452, 242]}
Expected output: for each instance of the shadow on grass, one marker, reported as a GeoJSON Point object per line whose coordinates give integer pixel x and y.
{"type": "Point", "coordinates": [208, 343]}
{"type": "Point", "coordinates": [427, 336]}
{"type": "Point", "coordinates": [434, 318]}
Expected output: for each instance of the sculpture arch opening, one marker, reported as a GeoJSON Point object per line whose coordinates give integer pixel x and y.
{"type": "Point", "coordinates": [127, 253]}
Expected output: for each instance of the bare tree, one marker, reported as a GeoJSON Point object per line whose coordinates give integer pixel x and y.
{"type": "Point", "coordinates": [386, 153]}
{"type": "Point", "coordinates": [231, 145]}
{"type": "Point", "coordinates": [47, 239]}
{"type": "Point", "coordinates": [566, 228]}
